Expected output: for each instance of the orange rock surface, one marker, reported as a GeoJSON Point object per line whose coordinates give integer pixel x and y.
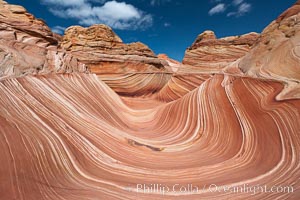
{"type": "Point", "coordinates": [210, 54]}
{"type": "Point", "coordinates": [124, 67]}
{"type": "Point", "coordinates": [85, 116]}
{"type": "Point", "coordinates": [276, 55]}
{"type": "Point", "coordinates": [27, 46]}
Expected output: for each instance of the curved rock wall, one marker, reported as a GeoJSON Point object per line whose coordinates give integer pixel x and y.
{"type": "Point", "coordinates": [72, 137]}
{"type": "Point", "coordinates": [85, 116]}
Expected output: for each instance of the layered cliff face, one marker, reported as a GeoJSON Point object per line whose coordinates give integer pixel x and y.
{"type": "Point", "coordinates": [27, 46]}
{"type": "Point", "coordinates": [104, 53]}
{"type": "Point", "coordinates": [135, 126]}
{"type": "Point", "coordinates": [276, 56]}
{"type": "Point", "coordinates": [206, 57]}
{"type": "Point", "coordinates": [210, 54]}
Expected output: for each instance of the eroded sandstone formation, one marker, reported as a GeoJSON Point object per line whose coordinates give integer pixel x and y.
{"type": "Point", "coordinates": [27, 46]}
{"type": "Point", "coordinates": [276, 56]}
{"type": "Point", "coordinates": [129, 69]}
{"type": "Point", "coordinates": [104, 53]}
{"type": "Point", "coordinates": [210, 54]}
{"type": "Point", "coordinates": [85, 116]}
{"type": "Point", "coordinates": [206, 57]}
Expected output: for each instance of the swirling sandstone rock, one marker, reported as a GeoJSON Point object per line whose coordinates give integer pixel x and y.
{"type": "Point", "coordinates": [173, 65]}
{"type": "Point", "coordinates": [27, 46]}
{"type": "Point", "coordinates": [294, 10]}
{"type": "Point", "coordinates": [180, 132]}
{"type": "Point", "coordinates": [276, 55]}
{"type": "Point", "coordinates": [71, 137]}
{"type": "Point", "coordinates": [210, 54]}
{"type": "Point", "coordinates": [104, 53]}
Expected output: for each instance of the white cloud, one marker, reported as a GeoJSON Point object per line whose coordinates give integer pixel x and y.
{"type": "Point", "coordinates": [237, 2]}
{"type": "Point", "coordinates": [58, 29]}
{"type": "Point", "coordinates": [242, 10]}
{"type": "Point", "coordinates": [220, 8]}
{"type": "Point", "coordinates": [231, 14]}
{"type": "Point", "coordinates": [117, 11]}
{"type": "Point", "coordinates": [118, 15]}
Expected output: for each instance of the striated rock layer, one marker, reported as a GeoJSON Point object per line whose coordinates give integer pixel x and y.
{"type": "Point", "coordinates": [85, 116]}
{"type": "Point", "coordinates": [276, 55]}
{"type": "Point", "coordinates": [124, 67]}
{"type": "Point", "coordinates": [27, 46]}
{"type": "Point", "coordinates": [104, 52]}
{"type": "Point", "coordinates": [72, 137]}
{"type": "Point", "coordinates": [210, 54]}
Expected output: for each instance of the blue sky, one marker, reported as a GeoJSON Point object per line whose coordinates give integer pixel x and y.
{"type": "Point", "coordinates": [166, 26]}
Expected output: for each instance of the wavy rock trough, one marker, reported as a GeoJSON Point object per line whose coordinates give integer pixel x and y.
{"type": "Point", "coordinates": [85, 116]}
